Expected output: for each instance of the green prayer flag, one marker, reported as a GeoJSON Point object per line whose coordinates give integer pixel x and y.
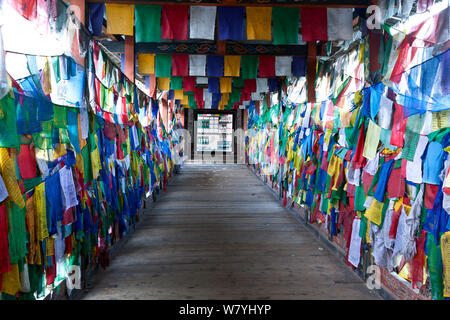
{"type": "Point", "coordinates": [249, 67]}
{"type": "Point", "coordinates": [285, 25]}
{"type": "Point", "coordinates": [147, 23]}
{"type": "Point", "coordinates": [8, 125]}
{"type": "Point", "coordinates": [176, 83]}
{"type": "Point", "coordinates": [59, 116]}
{"type": "Point", "coordinates": [238, 82]}
{"type": "Point", "coordinates": [163, 65]}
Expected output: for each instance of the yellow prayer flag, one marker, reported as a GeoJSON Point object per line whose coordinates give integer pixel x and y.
{"type": "Point", "coordinates": [178, 94]}
{"type": "Point", "coordinates": [41, 212]}
{"type": "Point", "coordinates": [224, 100]}
{"type": "Point", "coordinates": [232, 66]}
{"type": "Point", "coordinates": [8, 172]}
{"type": "Point", "coordinates": [11, 281]}
{"type": "Point", "coordinates": [146, 63]}
{"type": "Point", "coordinates": [374, 212]}
{"type": "Point", "coordinates": [120, 19]}
{"type": "Point", "coordinates": [225, 85]}
{"type": "Point", "coordinates": [185, 101]}
{"type": "Point", "coordinates": [445, 251]}
{"type": "Point", "coordinates": [164, 84]}
{"type": "Point", "coordinates": [259, 22]}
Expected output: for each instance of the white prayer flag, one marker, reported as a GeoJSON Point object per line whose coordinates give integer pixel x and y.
{"type": "Point", "coordinates": [197, 65]}
{"type": "Point", "coordinates": [207, 97]}
{"type": "Point", "coordinates": [340, 23]}
{"type": "Point", "coordinates": [202, 22]}
{"type": "Point", "coordinates": [283, 66]}
{"type": "Point", "coordinates": [68, 188]}
{"type": "Point", "coordinates": [3, 190]}
{"type": "Point", "coordinates": [261, 85]}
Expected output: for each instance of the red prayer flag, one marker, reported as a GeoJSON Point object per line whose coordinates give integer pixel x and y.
{"type": "Point", "coordinates": [188, 84]}
{"type": "Point", "coordinates": [266, 66]}
{"type": "Point", "coordinates": [249, 85]}
{"type": "Point", "coordinates": [430, 195]}
{"type": "Point", "coordinates": [314, 24]}
{"type": "Point", "coordinates": [399, 126]}
{"type": "Point", "coordinates": [180, 65]}
{"type": "Point", "coordinates": [174, 22]}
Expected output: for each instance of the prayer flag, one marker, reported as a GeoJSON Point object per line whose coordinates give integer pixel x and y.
{"type": "Point", "coordinates": [213, 85]}
{"type": "Point", "coordinates": [231, 23]}
{"type": "Point", "coordinates": [285, 25]}
{"type": "Point", "coordinates": [249, 67]}
{"type": "Point", "coordinates": [188, 84]}
{"type": "Point", "coordinates": [148, 23]}
{"type": "Point", "coordinates": [283, 66]}
{"type": "Point", "coordinates": [163, 65]}
{"type": "Point", "coordinates": [232, 65]}
{"type": "Point", "coordinates": [197, 65]}
{"type": "Point", "coordinates": [259, 21]}
{"type": "Point", "coordinates": [225, 85]}
{"type": "Point", "coordinates": [146, 63]}
{"type": "Point", "coordinates": [202, 22]}
{"type": "Point", "coordinates": [266, 66]}
{"type": "Point", "coordinates": [174, 20]}
{"type": "Point", "coordinates": [120, 19]}
{"type": "Point", "coordinates": [298, 66]}
{"type": "Point", "coordinates": [180, 65]}
{"type": "Point", "coordinates": [96, 13]}
{"type": "Point", "coordinates": [164, 83]}
{"type": "Point", "coordinates": [215, 66]}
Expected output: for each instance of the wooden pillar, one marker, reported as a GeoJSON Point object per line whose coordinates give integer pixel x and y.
{"type": "Point", "coordinates": [221, 47]}
{"type": "Point", "coordinates": [164, 110]}
{"type": "Point", "coordinates": [245, 116]}
{"type": "Point", "coordinates": [78, 7]}
{"type": "Point", "coordinates": [311, 70]}
{"type": "Point", "coordinates": [181, 111]}
{"type": "Point", "coordinates": [129, 57]}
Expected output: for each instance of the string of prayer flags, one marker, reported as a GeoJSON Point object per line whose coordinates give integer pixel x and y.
{"type": "Point", "coordinates": [120, 19]}
{"type": "Point", "coordinates": [326, 24]}
{"type": "Point", "coordinates": [259, 21]}
{"type": "Point", "coordinates": [285, 25]}
{"type": "Point", "coordinates": [174, 22]}
{"type": "Point", "coordinates": [202, 22]}
{"type": "Point", "coordinates": [147, 23]}
{"type": "Point", "coordinates": [231, 23]}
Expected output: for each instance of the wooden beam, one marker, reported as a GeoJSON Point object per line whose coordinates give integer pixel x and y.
{"type": "Point", "coordinates": [222, 47]}
{"type": "Point", "coordinates": [129, 57]}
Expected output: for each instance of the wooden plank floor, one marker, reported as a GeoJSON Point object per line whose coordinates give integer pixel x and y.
{"type": "Point", "coordinates": [219, 233]}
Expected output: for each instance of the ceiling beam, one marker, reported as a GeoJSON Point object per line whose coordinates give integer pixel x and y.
{"type": "Point", "coordinates": [228, 48]}
{"type": "Point", "coordinates": [256, 3]}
